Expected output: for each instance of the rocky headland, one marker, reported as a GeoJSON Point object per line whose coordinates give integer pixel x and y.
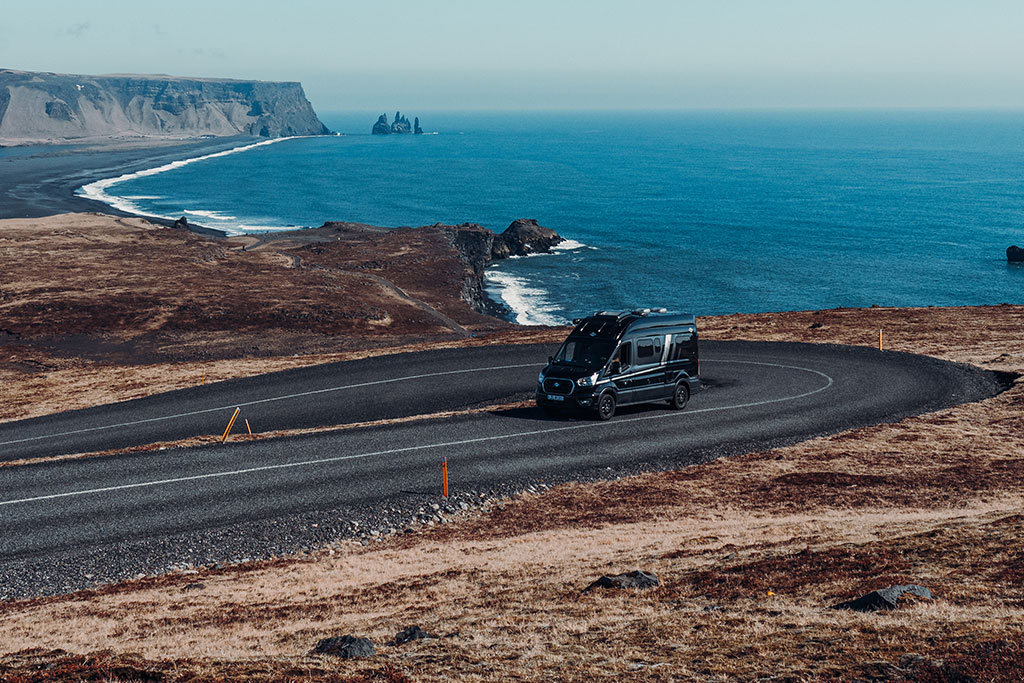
{"type": "Point", "coordinates": [40, 107]}
{"type": "Point", "coordinates": [103, 288]}
{"type": "Point", "coordinates": [400, 126]}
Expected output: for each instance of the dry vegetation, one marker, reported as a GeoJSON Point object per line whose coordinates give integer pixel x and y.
{"type": "Point", "coordinates": [95, 309]}
{"type": "Point", "coordinates": [751, 551]}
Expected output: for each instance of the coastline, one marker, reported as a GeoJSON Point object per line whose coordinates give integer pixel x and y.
{"type": "Point", "coordinates": [39, 181]}
{"type": "Point", "coordinates": [97, 190]}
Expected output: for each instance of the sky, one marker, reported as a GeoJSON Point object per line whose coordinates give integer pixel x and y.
{"type": "Point", "coordinates": [549, 54]}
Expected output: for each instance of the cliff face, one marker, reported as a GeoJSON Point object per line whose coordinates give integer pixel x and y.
{"type": "Point", "coordinates": [50, 107]}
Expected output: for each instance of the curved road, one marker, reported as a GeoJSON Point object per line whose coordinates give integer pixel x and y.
{"type": "Point", "coordinates": [68, 522]}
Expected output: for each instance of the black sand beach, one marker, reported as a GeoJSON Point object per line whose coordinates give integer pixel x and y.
{"type": "Point", "coordinates": [41, 180]}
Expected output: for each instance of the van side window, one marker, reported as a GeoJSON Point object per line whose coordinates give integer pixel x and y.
{"type": "Point", "coordinates": [648, 350]}
{"type": "Point", "coordinates": [681, 344]}
{"type": "Point", "coordinates": [624, 355]}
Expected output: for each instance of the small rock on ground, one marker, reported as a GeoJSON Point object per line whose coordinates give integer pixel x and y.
{"type": "Point", "coordinates": [885, 598]}
{"type": "Point", "coordinates": [410, 634]}
{"type": "Point", "coordinates": [346, 647]}
{"type": "Point", "coordinates": [633, 579]}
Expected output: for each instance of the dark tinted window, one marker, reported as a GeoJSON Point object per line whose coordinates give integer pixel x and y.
{"type": "Point", "coordinates": [645, 351]}
{"type": "Point", "coordinates": [591, 353]}
{"type": "Point", "coordinates": [681, 346]}
{"type": "Point", "coordinates": [648, 350]}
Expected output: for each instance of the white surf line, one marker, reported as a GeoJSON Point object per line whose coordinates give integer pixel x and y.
{"type": "Point", "coordinates": [97, 190]}
{"type": "Point", "coordinates": [262, 400]}
{"type": "Point", "coordinates": [446, 444]}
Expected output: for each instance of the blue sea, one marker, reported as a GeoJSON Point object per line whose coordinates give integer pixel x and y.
{"type": "Point", "coordinates": [707, 212]}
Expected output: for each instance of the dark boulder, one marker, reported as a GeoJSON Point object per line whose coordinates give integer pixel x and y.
{"type": "Point", "coordinates": [885, 598]}
{"type": "Point", "coordinates": [1015, 254]}
{"type": "Point", "coordinates": [524, 236]}
{"type": "Point", "coordinates": [633, 579]}
{"type": "Point", "coordinates": [181, 223]}
{"type": "Point", "coordinates": [382, 127]}
{"type": "Point", "coordinates": [412, 633]}
{"type": "Point", "coordinates": [346, 647]}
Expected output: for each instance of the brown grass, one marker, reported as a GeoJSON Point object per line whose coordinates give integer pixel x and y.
{"type": "Point", "coordinates": [751, 551]}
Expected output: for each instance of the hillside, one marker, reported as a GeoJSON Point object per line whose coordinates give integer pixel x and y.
{"type": "Point", "coordinates": [47, 107]}
{"type": "Point", "coordinates": [751, 553]}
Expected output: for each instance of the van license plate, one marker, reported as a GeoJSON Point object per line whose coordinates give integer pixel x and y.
{"type": "Point", "coordinates": [552, 397]}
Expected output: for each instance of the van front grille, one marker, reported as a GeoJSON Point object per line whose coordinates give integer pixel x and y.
{"type": "Point", "coordinates": [556, 385]}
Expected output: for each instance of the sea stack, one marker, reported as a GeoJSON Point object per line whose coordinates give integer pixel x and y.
{"type": "Point", "coordinates": [400, 126]}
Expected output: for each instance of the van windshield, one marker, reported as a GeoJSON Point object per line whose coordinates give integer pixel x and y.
{"type": "Point", "coordinates": [588, 353]}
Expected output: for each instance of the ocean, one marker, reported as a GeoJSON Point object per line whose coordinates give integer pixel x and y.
{"type": "Point", "coordinates": [704, 212]}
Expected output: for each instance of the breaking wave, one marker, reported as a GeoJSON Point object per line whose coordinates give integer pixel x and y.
{"type": "Point", "coordinates": [530, 305]}
{"type": "Point", "coordinates": [99, 190]}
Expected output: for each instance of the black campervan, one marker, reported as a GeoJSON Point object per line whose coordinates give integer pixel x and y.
{"type": "Point", "coordinates": [612, 359]}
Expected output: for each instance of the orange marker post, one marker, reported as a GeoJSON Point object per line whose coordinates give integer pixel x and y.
{"type": "Point", "coordinates": [247, 426]}
{"type": "Point", "coordinates": [444, 477]}
{"type": "Point", "coordinates": [879, 340]}
{"type": "Point", "coordinates": [204, 377]}
{"type": "Point", "coordinates": [231, 424]}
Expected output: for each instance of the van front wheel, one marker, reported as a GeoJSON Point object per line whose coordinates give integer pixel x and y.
{"type": "Point", "coordinates": [606, 406]}
{"type": "Point", "coordinates": [680, 396]}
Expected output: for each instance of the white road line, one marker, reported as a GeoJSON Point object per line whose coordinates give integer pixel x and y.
{"type": "Point", "coordinates": [406, 449]}
{"type": "Point", "coordinates": [264, 400]}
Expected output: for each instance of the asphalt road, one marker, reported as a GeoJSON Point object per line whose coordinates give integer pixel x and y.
{"type": "Point", "coordinates": [67, 523]}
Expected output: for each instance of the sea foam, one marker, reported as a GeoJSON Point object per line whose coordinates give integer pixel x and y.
{"type": "Point", "coordinates": [98, 190]}
{"type": "Point", "coordinates": [530, 305]}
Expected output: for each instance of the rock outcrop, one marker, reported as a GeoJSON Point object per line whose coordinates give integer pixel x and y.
{"type": "Point", "coordinates": [477, 247]}
{"type": "Point", "coordinates": [401, 125]}
{"type": "Point", "coordinates": [1015, 254]}
{"type": "Point", "coordinates": [47, 107]}
{"type": "Point", "coordinates": [522, 238]}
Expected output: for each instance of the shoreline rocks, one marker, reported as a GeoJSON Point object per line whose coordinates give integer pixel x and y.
{"type": "Point", "coordinates": [478, 247]}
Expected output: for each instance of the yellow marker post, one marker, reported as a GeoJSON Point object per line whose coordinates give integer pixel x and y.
{"type": "Point", "coordinates": [879, 340]}
{"type": "Point", "coordinates": [231, 424]}
{"type": "Point", "coordinates": [444, 477]}
{"type": "Point", "coordinates": [247, 426]}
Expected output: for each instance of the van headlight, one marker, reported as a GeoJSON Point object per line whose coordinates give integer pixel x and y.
{"type": "Point", "coordinates": [540, 377]}
{"type": "Point", "coordinates": [587, 381]}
